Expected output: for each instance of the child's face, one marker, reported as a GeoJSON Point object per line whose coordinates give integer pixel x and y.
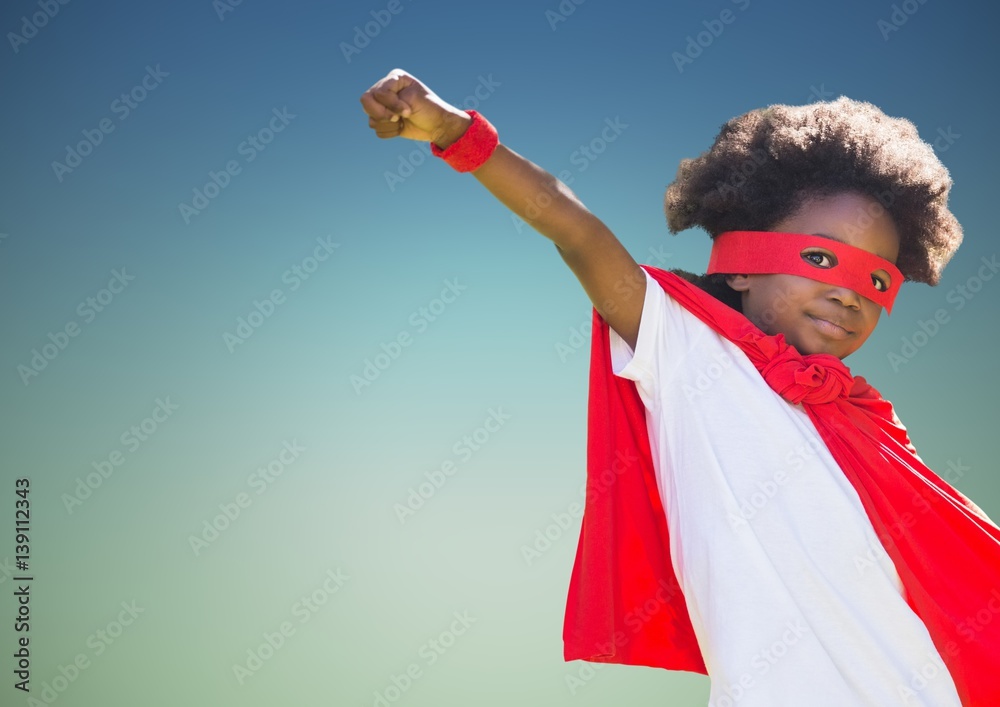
{"type": "Point", "coordinates": [791, 304]}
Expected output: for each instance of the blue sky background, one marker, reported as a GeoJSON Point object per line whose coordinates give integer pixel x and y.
{"type": "Point", "coordinates": [555, 78]}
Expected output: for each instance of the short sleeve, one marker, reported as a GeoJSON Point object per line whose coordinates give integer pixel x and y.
{"type": "Point", "coordinates": [640, 365]}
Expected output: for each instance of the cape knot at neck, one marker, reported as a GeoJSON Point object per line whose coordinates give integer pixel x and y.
{"type": "Point", "coordinates": [814, 378]}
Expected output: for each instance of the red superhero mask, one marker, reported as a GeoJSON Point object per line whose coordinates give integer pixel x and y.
{"type": "Point", "coordinates": [766, 252]}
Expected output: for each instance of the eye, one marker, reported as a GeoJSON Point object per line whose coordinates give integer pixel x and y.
{"type": "Point", "coordinates": [881, 284]}
{"type": "Point", "coordinates": [818, 258]}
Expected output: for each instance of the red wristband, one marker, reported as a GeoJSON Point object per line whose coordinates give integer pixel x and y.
{"type": "Point", "coordinates": [470, 151]}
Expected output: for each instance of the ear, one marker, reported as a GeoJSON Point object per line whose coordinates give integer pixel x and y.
{"type": "Point", "coordinates": [740, 283]}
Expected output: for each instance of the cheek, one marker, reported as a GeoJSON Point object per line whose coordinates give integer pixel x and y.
{"type": "Point", "coordinates": [784, 296]}
{"type": "Point", "coordinates": [873, 313]}
{"type": "Point", "coordinates": [770, 309]}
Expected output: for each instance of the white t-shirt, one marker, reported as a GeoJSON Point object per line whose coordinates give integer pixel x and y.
{"type": "Point", "coordinates": [792, 597]}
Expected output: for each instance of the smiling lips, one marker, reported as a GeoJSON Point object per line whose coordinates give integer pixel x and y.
{"type": "Point", "coordinates": [830, 329]}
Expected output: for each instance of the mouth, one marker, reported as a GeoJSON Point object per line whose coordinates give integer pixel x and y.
{"type": "Point", "coordinates": [828, 328]}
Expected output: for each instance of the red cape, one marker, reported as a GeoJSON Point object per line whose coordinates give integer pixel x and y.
{"type": "Point", "coordinates": [625, 604]}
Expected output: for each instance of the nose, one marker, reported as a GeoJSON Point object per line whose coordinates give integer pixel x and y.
{"type": "Point", "coordinates": [846, 296]}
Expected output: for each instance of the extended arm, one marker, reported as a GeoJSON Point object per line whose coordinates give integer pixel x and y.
{"type": "Point", "coordinates": [400, 105]}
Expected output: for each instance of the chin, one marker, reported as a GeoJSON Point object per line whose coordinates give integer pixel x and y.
{"type": "Point", "coordinates": [807, 348]}
{"type": "Point", "coordinates": [837, 351]}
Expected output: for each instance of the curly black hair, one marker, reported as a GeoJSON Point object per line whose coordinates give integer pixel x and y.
{"type": "Point", "coordinates": [767, 163]}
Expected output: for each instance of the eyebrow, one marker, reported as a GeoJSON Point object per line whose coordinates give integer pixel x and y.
{"type": "Point", "coordinates": [841, 240]}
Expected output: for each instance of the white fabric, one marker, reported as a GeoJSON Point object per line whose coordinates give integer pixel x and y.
{"type": "Point", "coordinates": [792, 597]}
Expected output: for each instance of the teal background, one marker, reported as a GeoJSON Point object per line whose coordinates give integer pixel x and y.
{"type": "Point", "coordinates": [495, 346]}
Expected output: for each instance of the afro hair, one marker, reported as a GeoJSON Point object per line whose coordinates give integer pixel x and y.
{"type": "Point", "coordinates": [766, 164]}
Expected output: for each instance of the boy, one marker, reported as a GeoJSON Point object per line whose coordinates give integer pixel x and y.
{"type": "Point", "coordinates": [675, 568]}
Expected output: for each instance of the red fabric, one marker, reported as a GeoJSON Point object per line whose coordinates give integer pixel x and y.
{"type": "Point", "coordinates": [624, 603]}
{"type": "Point", "coordinates": [473, 148]}
{"type": "Point", "coordinates": [775, 252]}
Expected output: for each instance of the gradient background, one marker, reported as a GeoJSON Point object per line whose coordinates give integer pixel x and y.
{"type": "Point", "coordinates": [324, 175]}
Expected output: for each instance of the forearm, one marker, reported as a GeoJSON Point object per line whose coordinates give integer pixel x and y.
{"type": "Point", "coordinates": [544, 202]}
